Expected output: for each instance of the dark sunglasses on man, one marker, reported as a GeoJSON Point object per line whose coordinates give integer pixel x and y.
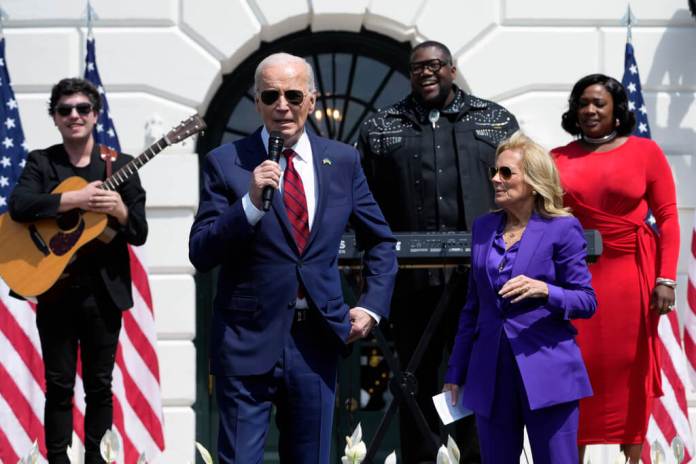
{"type": "Point", "coordinates": [83, 109]}
{"type": "Point", "coordinates": [294, 97]}
{"type": "Point", "coordinates": [505, 172]}
{"type": "Point", "coordinates": [433, 65]}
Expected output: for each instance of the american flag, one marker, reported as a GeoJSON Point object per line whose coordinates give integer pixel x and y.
{"type": "Point", "coordinates": [670, 417]}
{"type": "Point", "coordinates": [21, 369]}
{"type": "Point", "coordinates": [137, 400]}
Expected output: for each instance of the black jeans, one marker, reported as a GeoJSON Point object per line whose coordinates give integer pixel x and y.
{"type": "Point", "coordinates": [79, 319]}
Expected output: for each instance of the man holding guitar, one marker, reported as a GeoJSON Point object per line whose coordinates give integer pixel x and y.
{"type": "Point", "coordinates": [84, 306]}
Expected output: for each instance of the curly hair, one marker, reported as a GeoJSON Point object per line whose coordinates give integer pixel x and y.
{"type": "Point", "coordinates": [626, 118]}
{"type": "Point", "coordinates": [71, 86]}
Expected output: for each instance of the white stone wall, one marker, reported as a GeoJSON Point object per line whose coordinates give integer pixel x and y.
{"type": "Point", "coordinates": [166, 57]}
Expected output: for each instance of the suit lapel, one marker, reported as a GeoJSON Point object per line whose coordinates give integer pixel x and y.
{"type": "Point", "coordinates": [529, 242]}
{"type": "Point", "coordinates": [485, 249]}
{"type": "Point", "coordinates": [321, 176]}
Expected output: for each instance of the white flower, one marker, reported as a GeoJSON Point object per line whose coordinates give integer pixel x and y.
{"type": "Point", "coordinates": [391, 459]}
{"type": "Point", "coordinates": [657, 453]}
{"type": "Point", "coordinates": [205, 454]}
{"type": "Point", "coordinates": [678, 449]}
{"type": "Point", "coordinates": [33, 456]}
{"type": "Point", "coordinates": [355, 450]}
{"type": "Point", "coordinates": [110, 446]}
{"type": "Point", "coordinates": [449, 455]}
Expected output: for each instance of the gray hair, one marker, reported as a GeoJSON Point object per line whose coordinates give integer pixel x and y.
{"type": "Point", "coordinates": [283, 58]}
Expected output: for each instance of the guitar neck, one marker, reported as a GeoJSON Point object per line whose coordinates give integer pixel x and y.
{"type": "Point", "coordinates": [122, 175]}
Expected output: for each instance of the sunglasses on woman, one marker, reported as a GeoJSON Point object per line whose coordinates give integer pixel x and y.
{"type": "Point", "coordinates": [83, 109]}
{"type": "Point", "coordinates": [294, 97]}
{"type": "Point", "coordinates": [504, 171]}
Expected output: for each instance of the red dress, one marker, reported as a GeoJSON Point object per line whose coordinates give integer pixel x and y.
{"type": "Point", "coordinates": [611, 192]}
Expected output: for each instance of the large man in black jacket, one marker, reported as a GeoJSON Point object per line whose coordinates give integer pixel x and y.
{"type": "Point", "coordinates": [427, 161]}
{"type": "Point", "coordinates": [84, 306]}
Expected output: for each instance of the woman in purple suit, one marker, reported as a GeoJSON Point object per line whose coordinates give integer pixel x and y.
{"type": "Point", "coordinates": [515, 355]}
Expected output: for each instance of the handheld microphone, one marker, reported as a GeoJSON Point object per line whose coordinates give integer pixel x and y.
{"type": "Point", "coordinates": [275, 148]}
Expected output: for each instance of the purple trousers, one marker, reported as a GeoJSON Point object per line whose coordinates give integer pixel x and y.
{"type": "Point", "coordinates": [552, 430]}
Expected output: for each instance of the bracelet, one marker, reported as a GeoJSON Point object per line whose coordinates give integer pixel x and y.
{"type": "Point", "coordinates": [666, 282]}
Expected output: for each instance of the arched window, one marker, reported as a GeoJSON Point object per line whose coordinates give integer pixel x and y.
{"type": "Point", "coordinates": [356, 74]}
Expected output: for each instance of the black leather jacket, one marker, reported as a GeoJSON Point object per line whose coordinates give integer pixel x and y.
{"type": "Point", "coordinates": [390, 141]}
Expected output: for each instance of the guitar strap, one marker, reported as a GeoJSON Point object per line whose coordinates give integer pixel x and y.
{"type": "Point", "coordinates": [109, 155]}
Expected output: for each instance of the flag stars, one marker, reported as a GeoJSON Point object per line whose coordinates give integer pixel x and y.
{"type": "Point", "coordinates": [10, 123]}
{"type": "Point", "coordinates": [111, 132]}
{"type": "Point", "coordinates": [4, 181]}
{"type": "Point", "coordinates": [643, 109]}
{"type": "Point", "coordinates": [23, 163]}
{"type": "Point", "coordinates": [90, 66]}
{"type": "Point", "coordinates": [8, 143]}
{"type": "Point", "coordinates": [100, 128]}
{"type": "Point", "coordinates": [633, 69]}
{"type": "Point", "coordinates": [631, 87]}
{"type": "Point", "coordinates": [642, 127]}
{"type": "Point", "coordinates": [5, 161]}
{"type": "Point", "coordinates": [2, 62]}
{"type": "Point", "coordinates": [101, 89]}
{"type": "Point", "coordinates": [3, 202]}
{"type": "Point", "coordinates": [631, 105]}
{"type": "Point", "coordinates": [11, 103]}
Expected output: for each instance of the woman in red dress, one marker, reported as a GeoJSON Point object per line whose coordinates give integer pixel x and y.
{"type": "Point", "coordinates": [611, 179]}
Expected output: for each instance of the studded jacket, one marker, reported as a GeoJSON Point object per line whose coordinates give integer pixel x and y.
{"type": "Point", "coordinates": [390, 144]}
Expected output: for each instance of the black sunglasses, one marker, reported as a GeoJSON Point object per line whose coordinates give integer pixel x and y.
{"type": "Point", "coordinates": [433, 65]}
{"type": "Point", "coordinates": [505, 172]}
{"type": "Point", "coordinates": [294, 97]}
{"type": "Point", "coordinates": [83, 109]}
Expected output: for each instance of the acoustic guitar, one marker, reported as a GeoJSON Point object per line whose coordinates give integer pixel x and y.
{"type": "Point", "coordinates": [34, 255]}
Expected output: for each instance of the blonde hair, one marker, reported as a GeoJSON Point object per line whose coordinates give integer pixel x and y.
{"type": "Point", "coordinates": [540, 173]}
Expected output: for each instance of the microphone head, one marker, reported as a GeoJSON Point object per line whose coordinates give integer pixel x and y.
{"type": "Point", "coordinates": [275, 145]}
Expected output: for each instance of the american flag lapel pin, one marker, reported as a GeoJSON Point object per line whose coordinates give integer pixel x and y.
{"type": "Point", "coordinates": [326, 162]}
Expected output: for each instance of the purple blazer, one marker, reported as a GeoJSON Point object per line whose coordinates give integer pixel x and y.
{"type": "Point", "coordinates": [539, 330]}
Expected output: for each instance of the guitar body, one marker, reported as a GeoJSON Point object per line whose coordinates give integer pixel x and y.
{"type": "Point", "coordinates": [34, 255]}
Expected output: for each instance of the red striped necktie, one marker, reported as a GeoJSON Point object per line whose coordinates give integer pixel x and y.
{"type": "Point", "coordinates": [295, 201]}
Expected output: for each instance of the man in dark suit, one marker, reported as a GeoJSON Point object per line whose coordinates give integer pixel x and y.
{"type": "Point", "coordinates": [84, 306]}
{"type": "Point", "coordinates": [279, 320]}
{"type": "Point", "coordinates": [426, 159]}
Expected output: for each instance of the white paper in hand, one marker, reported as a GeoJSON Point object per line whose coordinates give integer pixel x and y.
{"type": "Point", "coordinates": [447, 412]}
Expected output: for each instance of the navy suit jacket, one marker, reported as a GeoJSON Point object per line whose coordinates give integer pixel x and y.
{"type": "Point", "coordinates": [260, 266]}
{"type": "Point", "coordinates": [538, 329]}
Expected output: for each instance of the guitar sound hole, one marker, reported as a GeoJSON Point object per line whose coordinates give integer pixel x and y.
{"type": "Point", "coordinates": [68, 220]}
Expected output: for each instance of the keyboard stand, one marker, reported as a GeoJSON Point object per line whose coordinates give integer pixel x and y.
{"type": "Point", "coordinates": [404, 384]}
